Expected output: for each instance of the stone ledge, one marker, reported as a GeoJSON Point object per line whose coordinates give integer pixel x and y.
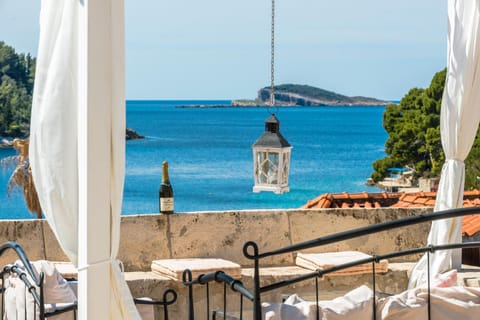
{"type": "Point", "coordinates": [153, 285]}
{"type": "Point", "coordinates": [469, 276]}
{"type": "Point", "coordinates": [394, 281]}
{"type": "Point", "coordinates": [398, 272]}
{"type": "Point", "coordinates": [223, 235]}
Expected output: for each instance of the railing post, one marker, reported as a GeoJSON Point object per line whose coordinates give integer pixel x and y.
{"type": "Point", "coordinates": [374, 284]}
{"type": "Point", "coordinates": [3, 292]}
{"type": "Point", "coordinates": [317, 308]}
{"type": "Point", "coordinates": [224, 298]}
{"type": "Point", "coordinates": [428, 283]}
{"type": "Point", "coordinates": [257, 307]}
{"type": "Point", "coordinates": [42, 296]}
{"type": "Point", "coordinates": [167, 302]}
{"type": "Point", "coordinates": [257, 304]}
{"type": "Point", "coordinates": [241, 306]}
{"type": "Point", "coordinates": [207, 292]}
{"type": "Point", "coordinates": [187, 280]}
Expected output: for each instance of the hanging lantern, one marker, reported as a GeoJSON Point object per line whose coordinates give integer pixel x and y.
{"type": "Point", "coordinates": [271, 152]}
{"type": "Point", "coordinates": [271, 159]}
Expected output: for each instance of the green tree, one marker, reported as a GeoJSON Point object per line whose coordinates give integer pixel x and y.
{"type": "Point", "coordinates": [413, 127]}
{"type": "Point", "coordinates": [414, 138]}
{"type": "Point", "coordinates": [472, 166]}
{"type": "Point", "coordinates": [17, 74]}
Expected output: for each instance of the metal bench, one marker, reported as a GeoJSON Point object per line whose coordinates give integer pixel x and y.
{"type": "Point", "coordinates": [35, 288]}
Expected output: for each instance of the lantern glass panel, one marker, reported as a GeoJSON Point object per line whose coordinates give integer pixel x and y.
{"type": "Point", "coordinates": [272, 168]}
{"type": "Point", "coordinates": [267, 167]}
{"type": "Point", "coordinates": [286, 165]}
{"type": "Point", "coordinates": [261, 162]}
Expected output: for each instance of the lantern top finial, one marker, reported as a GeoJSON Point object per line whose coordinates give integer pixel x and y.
{"type": "Point", "coordinates": [272, 124]}
{"type": "Point", "coordinates": [272, 138]}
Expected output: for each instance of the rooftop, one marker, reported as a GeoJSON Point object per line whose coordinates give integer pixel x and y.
{"type": "Point", "coordinates": [471, 198]}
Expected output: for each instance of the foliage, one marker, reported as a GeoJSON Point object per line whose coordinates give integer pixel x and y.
{"type": "Point", "coordinates": [309, 91]}
{"type": "Point", "coordinates": [17, 74]}
{"type": "Point", "coordinates": [414, 138]}
{"type": "Point", "coordinates": [472, 166]}
{"type": "Point", "coordinates": [413, 127]}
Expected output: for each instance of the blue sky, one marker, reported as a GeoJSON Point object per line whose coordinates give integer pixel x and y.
{"type": "Point", "coordinates": [220, 49]}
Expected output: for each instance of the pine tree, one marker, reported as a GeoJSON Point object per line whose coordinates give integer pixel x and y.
{"type": "Point", "coordinates": [414, 138]}
{"type": "Point", "coordinates": [17, 74]}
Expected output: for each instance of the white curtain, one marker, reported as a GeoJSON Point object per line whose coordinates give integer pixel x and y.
{"type": "Point", "coordinates": [459, 120]}
{"type": "Point", "coordinates": [77, 148]}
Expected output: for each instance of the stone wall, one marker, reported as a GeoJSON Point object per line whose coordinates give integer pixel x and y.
{"type": "Point", "coordinates": [145, 238]}
{"type": "Point", "coordinates": [329, 287]}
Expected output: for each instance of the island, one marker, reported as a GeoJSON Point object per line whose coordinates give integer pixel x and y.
{"type": "Point", "coordinates": [305, 95]}
{"type": "Point", "coordinates": [287, 95]}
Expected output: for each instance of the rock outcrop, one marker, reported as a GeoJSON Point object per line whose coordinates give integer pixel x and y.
{"type": "Point", "coordinates": [303, 95]}
{"type": "Point", "coordinates": [131, 134]}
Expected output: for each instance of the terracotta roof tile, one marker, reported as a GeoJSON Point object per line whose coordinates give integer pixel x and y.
{"type": "Point", "coordinates": [398, 205]}
{"type": "Point", "coordinates": [326, 203]}
{"type": "Point", "coordinates": [422, 201]}
{"type": "Point", "coordinates": [468, 203]}
{"type": "Point", "coordinates": [472, 192]}
{"type": "Point", "coordinates": [342, 195]}
{"type": "Point", "coordinates": [410, 197]}
{"type": "Point", "coordinates": [318, 204]}
{"type": "Point", "coordinates": [470, 224]}
{"type": "Point", "coordinates": [363, 196]}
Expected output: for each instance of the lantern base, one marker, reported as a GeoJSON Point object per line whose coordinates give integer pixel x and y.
{"type": "Point", "coordinates": [270, 188]}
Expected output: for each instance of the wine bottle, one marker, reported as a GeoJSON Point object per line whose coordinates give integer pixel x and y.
{"type": "Point", "coordinates": [165, 194]}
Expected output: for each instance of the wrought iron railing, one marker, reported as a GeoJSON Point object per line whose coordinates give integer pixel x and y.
{"type": "Point", "coordinates": [169, 297]}
{"type": "Point", "coordinates": [251, 251]}
{"type": "Point", "coordinates": [35, 289]}
{"type": "Point", "coordinates": [34, 284]}
{"type": "Point", "coordinates": [219, 277]}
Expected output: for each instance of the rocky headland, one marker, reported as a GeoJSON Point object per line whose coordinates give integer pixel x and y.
{"type": "Point", "coordinates": [131, 134]}
{"type": "Point", "coordinates": [304, 95]}
{"type": "Point", "coordinates": [287, 95]}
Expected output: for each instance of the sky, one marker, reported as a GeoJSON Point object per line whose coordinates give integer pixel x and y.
{"type": "Point", "coordinates": [220, 49]}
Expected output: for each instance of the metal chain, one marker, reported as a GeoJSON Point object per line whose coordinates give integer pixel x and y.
{"type": "Point", "coordinates": [272, 64]}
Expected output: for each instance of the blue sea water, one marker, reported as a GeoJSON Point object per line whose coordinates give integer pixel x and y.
{"type": "Point", "coordinates": [210, 157]}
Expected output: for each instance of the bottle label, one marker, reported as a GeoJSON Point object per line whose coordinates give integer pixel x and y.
{"type": "Point", "coordinates": [166, 204]}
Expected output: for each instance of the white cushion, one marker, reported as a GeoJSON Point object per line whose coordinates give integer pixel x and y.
{"type": "Point", "coordinates": [356, 304]}
{"type": "Point", "coordinates": [56, 292]}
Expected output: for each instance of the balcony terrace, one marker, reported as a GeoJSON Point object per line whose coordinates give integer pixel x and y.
{"type": "Point", "coordinates": [150, 237]}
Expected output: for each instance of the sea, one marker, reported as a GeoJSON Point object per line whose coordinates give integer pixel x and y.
{"type": "Point", "coordinates": [210, 158]}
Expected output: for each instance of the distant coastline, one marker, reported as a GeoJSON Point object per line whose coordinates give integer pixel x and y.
{"type": "Point", "coordinates": [236, 106]}
{"type": "Point", "coordinates": [130, 134]}
{"type": "Point", "coordinates": [204, 106]}
{"type": "Point", "coordinates": [295, 95]}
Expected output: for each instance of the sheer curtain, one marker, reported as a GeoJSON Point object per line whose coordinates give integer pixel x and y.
{"type": "Point", "coordinates": [459, 120]}
{"type": "Point", "coordinates": [77, 150]}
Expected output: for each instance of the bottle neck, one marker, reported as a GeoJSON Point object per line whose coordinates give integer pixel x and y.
{"type": "Point", "coordinates": [165, 178]}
